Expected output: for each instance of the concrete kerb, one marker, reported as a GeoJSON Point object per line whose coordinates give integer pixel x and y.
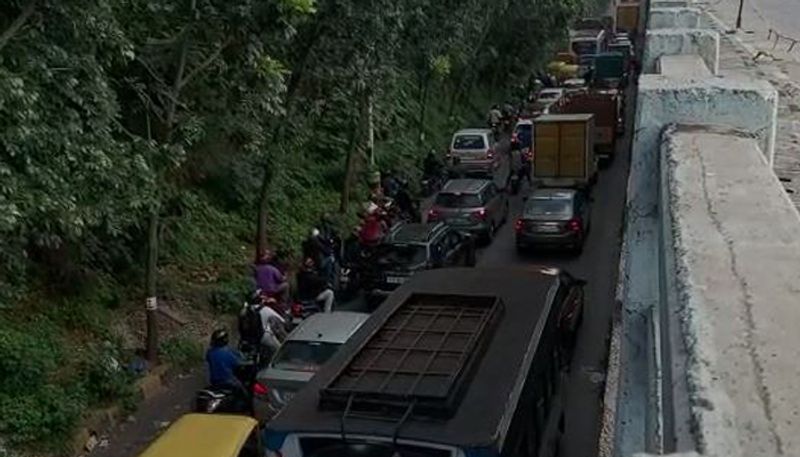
{"type": "Point", "coordinates": [676, 41]}
{"type": "Point", "coordinates": [671, 3]}
{"type": "Point", "coordinates": [670, 18]}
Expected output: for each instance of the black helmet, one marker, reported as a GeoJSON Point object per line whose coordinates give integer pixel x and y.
{"type": "Point", "coordinates": [219, 338]}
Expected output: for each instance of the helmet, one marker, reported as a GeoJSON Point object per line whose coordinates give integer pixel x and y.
{"type": "Point", "coordinates": [314, 232]}
{"type": "Point", "coordinates": [219, 338]}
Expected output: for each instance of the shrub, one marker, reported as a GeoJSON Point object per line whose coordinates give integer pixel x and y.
{"type": "Point", "coordinates": [182, 352]}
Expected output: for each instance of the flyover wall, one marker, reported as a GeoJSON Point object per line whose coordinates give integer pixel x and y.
{"type": "Point", "coordinates": [706, 352]}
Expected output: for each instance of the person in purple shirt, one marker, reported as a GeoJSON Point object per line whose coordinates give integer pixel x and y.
{"type": "Point", "coordinates": [269, 279]}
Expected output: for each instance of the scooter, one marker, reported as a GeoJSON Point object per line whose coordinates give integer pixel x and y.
{"type": "Point", "coordinates": [229, 400]}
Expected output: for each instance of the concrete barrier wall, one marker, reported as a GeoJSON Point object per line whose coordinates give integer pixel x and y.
{"type": "Point", "coordinates": [671, 3]}
{"type": "Point", "coordinates": [683, 66]}
{"type": "Point", "coordinates": [670, 18]}
{"type": "Point", "coordinates": [736, 238]}
{"type": "Point", "coordinates": [702, 42]}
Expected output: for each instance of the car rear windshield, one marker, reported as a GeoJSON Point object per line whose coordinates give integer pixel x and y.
{"type": "Point", "coordinates": [333, 447]}
{"type": "Point", "coordinates": [458, 200]}
{"type": "Point", "coordinates": [469, 142]}
{"type": "Point", "coordinates": [303, 355]}
{"type": "Point", "coordinates": [403, 254]}
{"type": "Point", "coordinates": [547, 209]}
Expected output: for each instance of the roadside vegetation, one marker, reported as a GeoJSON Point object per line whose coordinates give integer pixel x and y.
{"type": "Point", "coordinates": [152, 147]}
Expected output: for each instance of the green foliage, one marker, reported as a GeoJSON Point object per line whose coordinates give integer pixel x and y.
{"type": "Point", "coordinates": [182, 352]}
{"type": "Point", "coordinates": [44, 418]}
{"type": "Point", "coordinates": [27, 356]}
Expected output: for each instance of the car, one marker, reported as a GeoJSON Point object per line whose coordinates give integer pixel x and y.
{"type": "Point", "coordinates": [414, 247]}
{"type": "Point", "coordinates": [475, 152]}
{"type": "Point", "coordinates": [522, 137]}
{"type": "Point", "coordinates": [473, 205]}
{"type": "Point", "coordinates": [303, 352]}
{"type": "Point", "coordinates": [554, 218]}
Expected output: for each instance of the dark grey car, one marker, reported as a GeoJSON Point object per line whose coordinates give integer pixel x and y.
{"type": "Point", "coordinates": [554, 218]}
{"type": "Point", "coordinates": [473, 205]}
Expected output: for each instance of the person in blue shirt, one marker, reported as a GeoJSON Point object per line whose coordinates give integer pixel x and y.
{"type": "Point", "coordinates": [222, 362]}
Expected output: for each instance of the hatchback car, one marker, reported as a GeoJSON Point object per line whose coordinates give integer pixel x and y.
{"type": "Point", "coordinates": [554, 218]}
{"type": "Point", "coordinates": [473, 205]}
{"type": "Point", "coordinates": [474, 151]}
{"type": "Point", "coordinates": [303, 352]}
{"type": "Point", "coordinates": [411, 248]}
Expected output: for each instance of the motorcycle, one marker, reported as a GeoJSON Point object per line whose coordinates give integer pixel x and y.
{"type": "Point", "coordinates": [432, 183]}
{"type": "Point", "coordinates": [228, 399]}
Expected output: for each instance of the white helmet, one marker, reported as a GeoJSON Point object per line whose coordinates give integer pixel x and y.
{"type": "Point", "coordinates": [314, 232]}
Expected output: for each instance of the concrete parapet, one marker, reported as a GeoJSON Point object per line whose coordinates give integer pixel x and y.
{"type": "Point", "coordinates": [702, 42]}
{"type": "Point", "coordinates": [736, 239]}
{"type": "Point", "coordinates": [745, 104]}
{"type": "Point", "coordinates": [691, 66]}
{"type": "Point", "coordinates": [671, 3]}
{"type": "Point", "coordinates": [670, 18]}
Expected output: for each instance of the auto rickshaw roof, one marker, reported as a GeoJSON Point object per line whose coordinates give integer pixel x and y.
{"type": "Point", "coordinates": [203, 435]}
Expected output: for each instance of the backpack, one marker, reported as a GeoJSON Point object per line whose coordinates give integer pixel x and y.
{"type": "Point", "coordinates": [251, 329]}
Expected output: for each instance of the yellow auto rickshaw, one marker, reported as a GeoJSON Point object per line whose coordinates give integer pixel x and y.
{"type": "Point", "coordinates": [208, 435]}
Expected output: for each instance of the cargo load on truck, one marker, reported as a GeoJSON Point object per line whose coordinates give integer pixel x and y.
{"type": "Point", "coordinates": [606, 108]}
{"type": "Point", "coordinates": [564, 145]}
{"type": "Point", "coordinates": [628, 17]}
{"type": "Point", "coordinates": [609, 70]}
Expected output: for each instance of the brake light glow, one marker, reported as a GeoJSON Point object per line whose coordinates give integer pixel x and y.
{"type": "Point", "coordinates": [297, 309]}
{"type": "Point", "coordinates": [433, 214]}
{"type": "Point", "coordinates": [480, 214]}
{"type": "Point", "coordinates": [574, 225]}
{"type": "Point", "coordinates": [260, 389]}
{"type": "Point", "coordinates": [519, 225]}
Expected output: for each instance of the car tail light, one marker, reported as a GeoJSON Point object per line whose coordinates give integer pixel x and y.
{"type": "Point", "coordinates": [514, 138]}
{"type": "Point", "coordinates": [529, 154]}
{"type": "Point", "coordinates": [297, 309]}
{"type": "Point", "coordinates": [574, 225]}
{"type": "Point", "coordinates": [490, 154]}
{"type": "Point", "coordinates": [433, 214]}
{"type": "Point", "coordinates": [449, 154]}
{"type": "Point", "coordinates": [519, 225]}
{"type": "Point", "coordinates": [260, 389]}
{"type": "Point", "coordinates": [480, 214]}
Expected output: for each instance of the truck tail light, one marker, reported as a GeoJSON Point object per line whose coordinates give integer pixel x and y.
{"type": "Point", "coordinates": [574, 225]}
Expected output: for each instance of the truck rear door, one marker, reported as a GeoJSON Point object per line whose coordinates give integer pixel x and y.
{"type": "Point", "coordinates": [572, 163]}
{"type": "Point", "coordinates": [545, 160]}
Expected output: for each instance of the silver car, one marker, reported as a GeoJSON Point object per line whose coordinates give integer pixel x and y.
{"type": "Point", "coordinates": [303, 352]}
{"type": "Point", "coordinates": [474, 151]}
{"type": "Point", "coordinates": [471, 205]}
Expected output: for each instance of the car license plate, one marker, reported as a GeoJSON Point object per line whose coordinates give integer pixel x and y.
{"type": "Point", "coordinates": [395, 279]}
{"type": "Point", "coordinates": [547, 228]}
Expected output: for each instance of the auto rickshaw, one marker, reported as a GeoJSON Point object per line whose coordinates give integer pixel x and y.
{"type": "Point", "coordinates": [208, 435]}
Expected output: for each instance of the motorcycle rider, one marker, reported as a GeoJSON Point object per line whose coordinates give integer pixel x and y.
{"type": "Point", "coordinates": [222, 364]}
{"type": "Point", "coordinates": [494, 118]}
{"type": "Point", "coordinates": [320, 250]}
{"type": "Point", "coordinates": [373, 227]}
{"type": "Point", "coordinates": [405, 203]}
{"type": "Point", "coordinates": [431, 167]}
{"type": "Point", "coordinates": [313, 286]}
{"type": "Point", "coordinates": [269, 278]}
{"type": "Point", "coordinates": [274, 325]}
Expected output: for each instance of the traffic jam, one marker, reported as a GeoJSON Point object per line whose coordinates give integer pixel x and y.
{"type": "Point", "coordinates": [399, 339]}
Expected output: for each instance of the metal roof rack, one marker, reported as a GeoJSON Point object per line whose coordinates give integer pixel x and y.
{"type": "Point", "coordinates": [418, 362]}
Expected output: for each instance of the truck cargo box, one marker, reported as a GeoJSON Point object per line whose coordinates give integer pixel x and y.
{"type": "Point", "coordinates": [605, 106]}
{"type": "Point", "coordinates": [564, 145]}
{"type": "Point", "coordinates": [628, 17]}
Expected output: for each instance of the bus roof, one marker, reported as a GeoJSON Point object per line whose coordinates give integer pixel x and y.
{"type": "Point", "coordinates": [203, 435]}
{"type": "Point", "coordinates": [487, 393]}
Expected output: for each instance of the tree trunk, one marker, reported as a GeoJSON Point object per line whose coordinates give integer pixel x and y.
{"type": "Point", "coordinates": [424, 87]}
{"type": "Point", "coordinates": [15, 26]}
{"type": "Point", "coordinates": [151, 280]}
{"type": "Point", "coordinates": [263, 213]}
{"type": "Point", "coordinates": [350, 168]}
{"type": "Point", "coordinates": [370, 129]}
{"type": "Point", "coordinates": [151, 272]}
